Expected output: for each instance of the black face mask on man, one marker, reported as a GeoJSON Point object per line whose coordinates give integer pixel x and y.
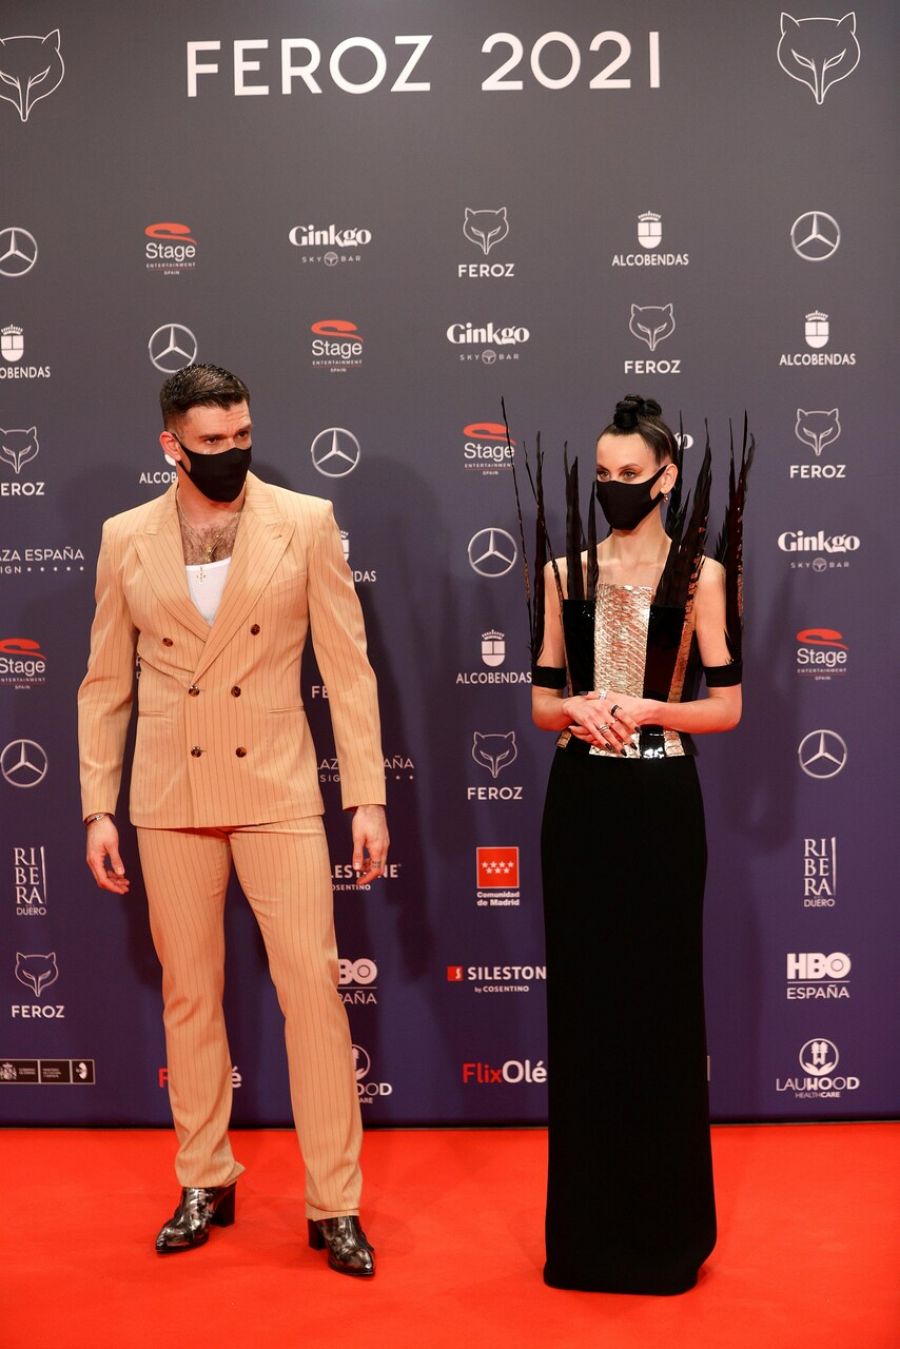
{"type": "Point", "coordinates": [220, 477]}
{"type": "Point", "coordinates": [625, 504]}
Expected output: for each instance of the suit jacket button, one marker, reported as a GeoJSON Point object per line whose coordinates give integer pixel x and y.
{"type": "Point", "coordinates": [240, 751]}
{"type": "Point", "coordinates": [193, 690]}
{"type": "Point", "coordinates": [255, 629]}
{"type": "Point", "coordinates": [236, 692]}
{"type": "Point", "coordinates": [167, 641]}
{"type": "Point", "coordinates": [196, 751]}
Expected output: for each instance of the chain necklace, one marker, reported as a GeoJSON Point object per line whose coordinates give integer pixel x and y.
{"type": "Point", "coordinates": [204, 546]}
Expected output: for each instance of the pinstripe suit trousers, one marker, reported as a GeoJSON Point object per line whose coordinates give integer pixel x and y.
{"type": "Point", "coordinates": [285, 874]}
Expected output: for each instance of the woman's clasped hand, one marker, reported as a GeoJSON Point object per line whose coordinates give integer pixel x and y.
{"type": "Point", "coordinates": [606, 719]}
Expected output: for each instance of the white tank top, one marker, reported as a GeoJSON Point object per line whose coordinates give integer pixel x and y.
{"type": "Point", "coordinates": [206, 581]}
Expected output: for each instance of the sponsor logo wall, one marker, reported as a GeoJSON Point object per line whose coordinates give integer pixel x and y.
{"type": "Point", "coordinates": [382, 266]}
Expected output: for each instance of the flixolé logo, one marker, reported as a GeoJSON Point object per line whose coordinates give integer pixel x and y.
{"type": "Point", "coordinates": [337, 345]}
{"type": "Point", "coordinates": [822, 653]}
{"type": "Point", "coordinates": [170, 248]}
{"type": "Point", "coordinates": [486, 449]}
{"type": "Point", "coordinates": [23, 664]}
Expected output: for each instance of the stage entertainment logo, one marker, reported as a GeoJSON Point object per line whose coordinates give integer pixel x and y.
{"type": "Point", "coordinates": [29, 866]}
{"type": "Point", "coordinates": [820, 873]}
{"type": "Point", "coordinates": [12, 349]}
{"type": "Point", "coordinates": [486, 449]}
{"type": "Point", "coordinates": [652, 324]}
{"type": "Point", "coordinates": [821, 653]}
{"type": "Point", "coordinates": [818, 1059]}
{"type": "Point", "coordinates": [512, 1073]}
{"type": "Point", "coordinates": [816, 334]}
{"type": "Point", "coordinates": [812, 974]}
{"type": "Point", "coordinates": [362, 1066]}
{"type": "Point", "coordinates": [818, 552]}
{"type": "Point", "coordinates": [37, 971]}
{"type": "Point", "coordinates": [649, 236]}
{"type": "Point", "coordinates": [337, 346]}
{"type": "Point", "coordinates": [328, 244]}
{"type": "Point", "coordinates": [31, 68]}
{"type": "Point", "coordinates": [170, 248]}
{"type": "Point", "coordinates": [485, 229]}
{"type": "Point", "coordinates": [497, 878]}
{"type": "Point", "coordinates": [817, 430]}
{"type": "Point", "coordinates": [818, 51]}
{"type": "Point", "coordinates": [23, 664]}
{"type": "Point", "coordinates": [493, 655]}
{"type": "Point", "coordinates": [18, 447]}
{"type": "Point", "coordinates": [356, 981]}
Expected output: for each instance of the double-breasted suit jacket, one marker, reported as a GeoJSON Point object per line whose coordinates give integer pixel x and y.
{"type": "Point", "coordinates": [222, 736]}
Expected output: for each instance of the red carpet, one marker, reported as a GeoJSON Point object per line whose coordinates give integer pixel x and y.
{"type": "Point", "coordinates": [807, 1255]}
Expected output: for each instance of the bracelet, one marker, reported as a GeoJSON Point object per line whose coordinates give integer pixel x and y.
{"type": "Point", "coordinates": [101, 815]}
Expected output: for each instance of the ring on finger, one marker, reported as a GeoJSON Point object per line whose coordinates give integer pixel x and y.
{"type": "Point", "coordinates": [614, 710]}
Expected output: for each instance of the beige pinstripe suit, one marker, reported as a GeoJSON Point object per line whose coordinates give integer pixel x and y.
{"type": "Point", "coordinates": [225, 770]}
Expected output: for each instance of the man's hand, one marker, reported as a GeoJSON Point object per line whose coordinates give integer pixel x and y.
{"type": "Point", "coordinates": [103, 844]}
{"type": "Point", "coordinates": [370, 843]}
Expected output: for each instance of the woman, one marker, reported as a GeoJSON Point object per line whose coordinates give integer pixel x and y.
{"type": "Point", "coordinates": [620, 632]}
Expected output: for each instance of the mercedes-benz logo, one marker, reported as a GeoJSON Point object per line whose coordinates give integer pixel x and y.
{"type": "Point", "coordinates": [822, 754]}
{"type": "Point", "coordinates": [172, 347]}
{"type": "Point", "coordinates": [815, 236]}
{"type": "Point", "coordinates": [492, 552]}
{"type": "Point", "coordinates": [335, 452]}
{"type": "Point", "coordinates": [361, 1062]}
{"type": "Point", "coordinates": [18, 251]}
{"type": "Point", "coordinates": [819, 1057]}
{"type": "Point", "coordinates": [23, 763]}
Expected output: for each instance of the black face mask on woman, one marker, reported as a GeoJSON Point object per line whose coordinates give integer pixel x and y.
{"type": "Point", "coordinates": [625, 504]}
{"type": "Point", "coordinates": [220, 477]}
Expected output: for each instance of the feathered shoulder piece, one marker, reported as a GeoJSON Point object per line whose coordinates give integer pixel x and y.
{"type": "Point", "coordinates": [730, 543]}
{"type": "Point", "coordinates": [686, 524]}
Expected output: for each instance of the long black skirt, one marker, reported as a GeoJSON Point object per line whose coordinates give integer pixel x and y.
{"type": "Point", "coordinates": [630, 1204]}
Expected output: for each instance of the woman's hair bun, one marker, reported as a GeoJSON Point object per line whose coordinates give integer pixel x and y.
{"type": "Point", "coordinates": [632, 408]}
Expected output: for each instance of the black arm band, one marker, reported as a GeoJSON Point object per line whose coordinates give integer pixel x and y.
{"type": "Point", "coordinates": [548, 676]}
{"type": "Point", "coordinates": [723, 676]}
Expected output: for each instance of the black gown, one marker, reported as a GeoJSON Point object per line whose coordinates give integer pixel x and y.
{"type": "Point", "coordinates": [630, 1204]}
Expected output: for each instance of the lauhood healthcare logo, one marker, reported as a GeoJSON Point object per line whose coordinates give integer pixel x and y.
{"type": "Point", "coordinates": [356, 981]}
{"type": "Point", "coordinates": [818, 51]}
{"type": "Point", "coordinates": [23, 664]}
{"type": "Point", "coordinates": [18, 447]}
{"type": "Point", "coordinates": [362, 1066]}
{"type": "Point", "coordinates": [818, 552]}
{"type": "Point", "coordinates": [512, 1073]}
{"type": "Point", "coordinates": [18, 251]}
{"type": "Point", "coordinates": [485, 448]}
{"type": "Point", "coordinates": [811, 974]}
{"type": "Point", "coordinates": [37, 971]}
{"type": "Point", "coordinates": [12, 349]}
{"type": "Point", "coordinates": [652, 324]}
{"type": "Point", "coordinates": [498, 342]}
{"type": "Point", "coordinates": [20, 561]}
{"type": "Point", "coordinates": [337, 346]}
{"type": "Point", "coordinates": [497, 978]}
{"type": "Point", "coordinates": [820, 873]}
{"type": "Point", "coordinates": [485, 229]}
{"type": "Point", "coordinates": [817, 334]}
{"type": "Point", "coordinates": [821, 653]}
{"type": "Point", "coordinates": [30, 882]}
{"type": "Point", "coordinates": [822, 754]}
{"type": "Point", "coordinates": [497, 878]}
{"type": "Point", "coordinates": [330, 245]}
{"type": "Point", "coordinates": [170, 248]}
{"type": "Point", "coordinates": [818, 1059]}
{"type": "Point", "coordinates": [649, 236]}
{"type": "Point", "coordinates": [816, 430]}
{"type": "Point", "coordinates": [31, 68]}
{"type": "Point", "coordinates": [493, 655]}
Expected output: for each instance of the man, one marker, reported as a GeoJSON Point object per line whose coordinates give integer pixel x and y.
{"type": "Point", "coordinates": [213, 586]}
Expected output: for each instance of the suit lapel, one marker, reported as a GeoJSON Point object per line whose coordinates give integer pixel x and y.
{"type": "Point", "coordinates": [159, 548]}
{"type": "Point", "coordinates": [262, 537]}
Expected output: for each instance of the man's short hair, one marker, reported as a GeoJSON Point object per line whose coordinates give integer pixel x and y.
{"type": "Point", "coordinates": [200, 385]}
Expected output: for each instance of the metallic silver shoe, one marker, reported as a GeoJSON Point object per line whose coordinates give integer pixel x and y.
{"type": "Point", "coordinates": [348, 1249]}
{"type": "Point", "coordinates": [190, 1223]}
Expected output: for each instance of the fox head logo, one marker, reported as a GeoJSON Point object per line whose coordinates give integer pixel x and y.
{"type": "Point", "coordinates": [494, 752]}
{"type": "Point", "coordinates": [486, 228]}
{"type": "Point", "coordinates": [818, 52]}
{"type": "Point", "coordinates": [817, 429]}
{"type": "Point", "coordinates": [18, 447]}
{"type": "Point", "coordinates": [30, 69]}
{"type": "Point", "coordinates": [37, 972]}
{"type": "Point", "coordinates": [652, 323]}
